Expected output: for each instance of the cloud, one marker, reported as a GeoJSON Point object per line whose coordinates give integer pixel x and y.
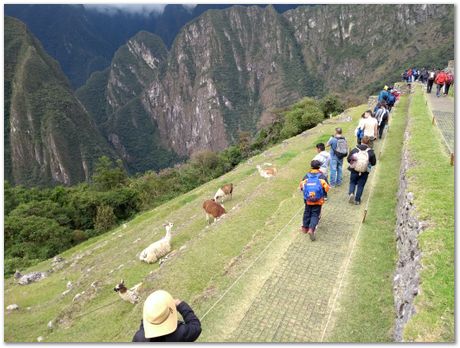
{"type": "Point", "coordinates": [111, 9]}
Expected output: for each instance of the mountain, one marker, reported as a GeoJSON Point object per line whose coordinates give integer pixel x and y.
{"type": "Point", "coordinates": [49, 136]}
{"type": "Point", "coordinates": [228, 68]}
{"type": "Point", "coordinates": [114, 99]}
{"type": "Point", "coordinates": [217, 80]}
{"type": "Point", "coordinates": [84, 40]}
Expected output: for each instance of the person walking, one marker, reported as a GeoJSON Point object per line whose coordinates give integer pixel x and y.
{"type": "Point", "coordinates": [382, 118]}
{"type": "Point", "coordinates": [314, 186]}
{"type": "Point", "coordinates": [324, 157]}
{"type": "Point", "coordinates": [440, 80]}
{"type": "Point", "coordinates": [368, 125]}
{"type": "Point", "coordinates": [361, 159]}
{"type": "Point", "coordinates": [160, 323]}
{"type": "Point", "coordinates": [430, 80]}
{"type": "Point", "coordinates": [339, 150]}
{"type": "Point", "coordinates": [449, 81]}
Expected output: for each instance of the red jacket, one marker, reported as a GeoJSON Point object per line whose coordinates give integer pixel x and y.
{"type": "Point", "coordinates": [440, 78]}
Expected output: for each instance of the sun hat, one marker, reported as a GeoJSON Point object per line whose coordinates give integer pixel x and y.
{"type": "Point", "coordinates": [159, 315]}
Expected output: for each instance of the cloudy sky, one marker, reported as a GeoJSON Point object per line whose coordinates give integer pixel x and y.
{"type": "Point", "coordinates": [145, 8]}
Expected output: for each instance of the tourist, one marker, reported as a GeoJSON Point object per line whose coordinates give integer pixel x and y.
{"type": "Point", "coordinates": [449, 81]}
{"type": "Point", "coordinates": [382, 118]}
{"type": "Point", "coordinates": [160, 322]}
{"type": "Point", "coordinates": [361, 159]}
{"type": "Point", "coordinates": [368, 125]}
{"type": "Point", "coordinates": [314, 186]}
{"type": "Point", "coordinates": [440, 80]}
{"type": "Point", "coordinates": [339, 150]}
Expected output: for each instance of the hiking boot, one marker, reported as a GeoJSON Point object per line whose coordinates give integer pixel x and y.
{"type": "Point", "coordinates": [351, 198]}
{"type": "Point", "coordinates": [313, 234]}
{"type": "Point", "coordinates": [357, 202]}
{"type": "Point", "coordinates": [304, 230]}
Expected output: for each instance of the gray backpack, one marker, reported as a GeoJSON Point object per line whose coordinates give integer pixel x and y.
{"type": "Point", "coordinates": [341, 150]}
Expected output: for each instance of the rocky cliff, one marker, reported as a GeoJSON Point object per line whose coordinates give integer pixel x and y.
{"type": "Point", "coordinates": [228, 68]}
{"type": "Point", "coordinates": [225, 72]}
{"type": "Point", "coordinates": [49, 137]}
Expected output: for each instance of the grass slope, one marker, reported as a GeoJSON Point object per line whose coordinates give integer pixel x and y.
{"type": "Point", "coordinates": [366, 310]}
{"type": "Point", "coordinates": [212, 259]}
{"type": "Point", "coordinates": [432, 182]}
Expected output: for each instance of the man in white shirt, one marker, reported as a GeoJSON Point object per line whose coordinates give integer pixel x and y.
{"type": "Point", "coordinates": [324, 157]}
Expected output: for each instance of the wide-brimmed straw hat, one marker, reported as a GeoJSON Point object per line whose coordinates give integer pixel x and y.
{"type": "Point", "coordinates": [160, 314]}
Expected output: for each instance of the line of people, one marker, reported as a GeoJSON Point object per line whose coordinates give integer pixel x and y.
{"type": "Point", "coordinates": [443, 78]}
{"type": "Point", "coordinates": [315, 184]}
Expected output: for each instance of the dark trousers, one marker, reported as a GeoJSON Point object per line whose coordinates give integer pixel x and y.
{"type": "Point", "coordinates": [429, 86]}
{"type": "Point", "coordinates": [311, 215]}
{"type": "Point", "coordinates": [357, 180]}
{"type": "Point", "coordinates": [446, 87]}
{"type": "Point", "coordinates": [381, 128]}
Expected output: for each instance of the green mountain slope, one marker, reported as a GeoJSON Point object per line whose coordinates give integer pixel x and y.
{"type": "Point", "coordinates": [49, 137]}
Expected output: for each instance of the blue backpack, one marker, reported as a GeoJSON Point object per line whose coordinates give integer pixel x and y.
{"type": "Point", "coordinates": [313, 189]}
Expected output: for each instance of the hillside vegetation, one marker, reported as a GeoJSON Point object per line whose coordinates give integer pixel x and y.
{"type": "Point", "coordinates": [41, 223]}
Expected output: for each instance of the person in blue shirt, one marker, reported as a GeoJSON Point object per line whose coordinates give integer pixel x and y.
{"type": "Point", "coordinates": [336, 161]}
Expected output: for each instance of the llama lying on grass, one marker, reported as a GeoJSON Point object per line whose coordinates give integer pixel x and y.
{"type": "Point", "coordinates": [158, 249]}
{"type": "Point", "coordinates": [29, 277]}
{"type": "Point", "coordinates": [214, 209]}
{"type": "Point", "coordinates": [268, 172]}
{"type": "Point", "coordinates": [129, 295]}
{"type": "Point", "coordinates": [223, 192]}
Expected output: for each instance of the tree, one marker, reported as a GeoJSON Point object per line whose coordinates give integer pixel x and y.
{"type": "Point", "coordinates": [107, 176]}
{"type": "Point", "coordinates": [331, 105]}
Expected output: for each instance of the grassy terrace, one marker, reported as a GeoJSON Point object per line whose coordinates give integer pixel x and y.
{"type": "Point", "coordinates": [431, 179]}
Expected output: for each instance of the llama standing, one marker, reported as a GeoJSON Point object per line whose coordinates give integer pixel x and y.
{"type": "Point", "coordinates": [213, 209]}
{"type": "Point", "coordinates": [223, 192]}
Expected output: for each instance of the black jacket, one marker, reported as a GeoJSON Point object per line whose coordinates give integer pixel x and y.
{"type": "Point", "coordinates": [187, 331]}
{"type": "Point", "coordinates": [372, 158]}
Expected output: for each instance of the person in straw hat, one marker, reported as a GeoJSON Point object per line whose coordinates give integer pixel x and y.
{"type": "Point", "coordinates": [159, 320]}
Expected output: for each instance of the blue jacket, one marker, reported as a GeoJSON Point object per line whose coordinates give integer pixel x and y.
{"type": "Point", "coordinates": [383, 95]}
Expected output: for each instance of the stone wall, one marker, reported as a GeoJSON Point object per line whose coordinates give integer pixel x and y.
{"type": "Point", "coordinates": [406, 279]}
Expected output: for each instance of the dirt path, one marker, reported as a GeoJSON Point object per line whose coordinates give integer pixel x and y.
{"type": "Point", "coordinates": [296, 299]}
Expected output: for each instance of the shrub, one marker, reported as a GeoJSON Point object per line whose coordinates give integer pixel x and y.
{"type": "Point", "coordinates": [105, 218]}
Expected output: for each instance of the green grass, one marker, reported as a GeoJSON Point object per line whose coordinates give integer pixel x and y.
{"type": "Point", "coordinates": [214, 256]}
{"type": "Point", "coordinates": [366, 310]}
{"type": "Point", "coordinates": [431, 180]}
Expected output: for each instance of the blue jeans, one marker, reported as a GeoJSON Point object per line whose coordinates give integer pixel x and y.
{"type": "Point", "coordinates": [336, 171]}
{"type": "Point", "coordinates": [311, 215]}
{"type": "Point", "coordinates": [438, 90]}
{"type": "Point", "coordinates": [357, 180]}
